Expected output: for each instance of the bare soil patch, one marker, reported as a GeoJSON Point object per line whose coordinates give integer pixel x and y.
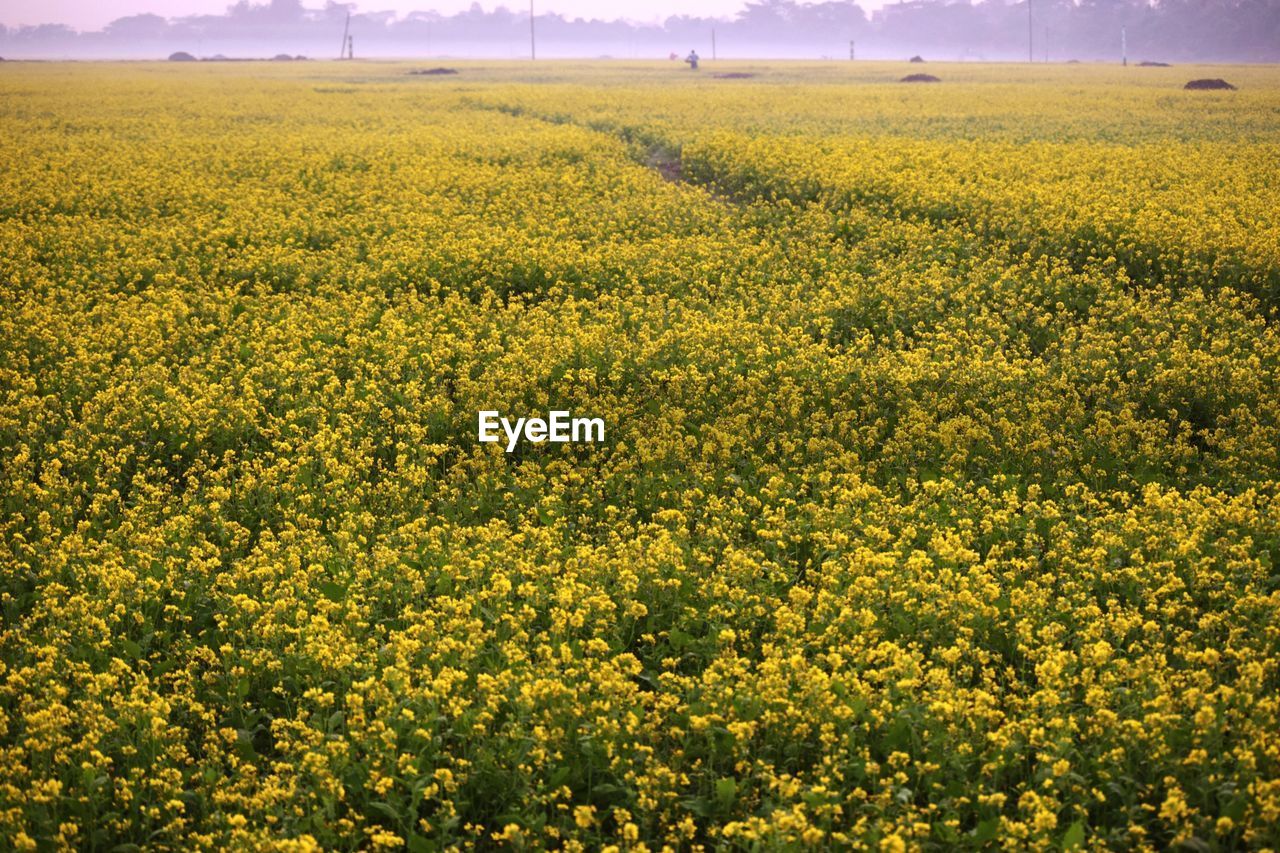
{"type": "Point", "coordinates": [666, 163]}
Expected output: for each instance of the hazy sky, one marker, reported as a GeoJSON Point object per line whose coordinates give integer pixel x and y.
{"type": "Point", "coordinates": [93, 14]}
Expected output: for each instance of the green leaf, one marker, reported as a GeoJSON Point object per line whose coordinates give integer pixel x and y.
{"type": "Point", "coordinates": [698, 807]}
{"type": "Point", "coordinates": [132, 648]}
{"type": "Point", "coordinates": [899, 734]}
{"type": "Point", "coordinates": [386, 810]}
{"type": "Point", "coordinates": [333, 591]}
{"type": "Point", "coordinates": [986, 830]}
{"type": "Point", "coordinates": [726, 792]}
{"type": "Point", "coordinates": [1073, 838]}
{"type": "Point", "coordinates": [420, 844]}
{"type": "Point", "coordinates": [244, 744]}
{"type": "Point", "coordinates": [946, 834]}
{"type": "Point", "coordinates": [609, 793]}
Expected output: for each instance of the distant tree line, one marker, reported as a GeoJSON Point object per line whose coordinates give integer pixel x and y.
{"type": "Point", "coordinates": [1160, 30]}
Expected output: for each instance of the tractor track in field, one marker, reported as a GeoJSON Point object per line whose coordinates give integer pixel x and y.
{"type": "Point", "coordinates": [664, 159]}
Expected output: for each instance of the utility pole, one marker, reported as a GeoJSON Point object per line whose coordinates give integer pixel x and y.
{"type": "Point", "coordinates": [345, 29]}
{"type": "Point", "coordinates": [1124, 48]}
{"type": "Point", "coordinates": [351, 47]}
{"type": "Point", "coordinates": [1030, 56]}
{"type": "Point", "coordinates": [533, 42]}
{"type": "Point", "coordinates": [851, 54]}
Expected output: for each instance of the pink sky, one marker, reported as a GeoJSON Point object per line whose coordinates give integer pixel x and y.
{"type": "Point", "coordinates": [86, 15]}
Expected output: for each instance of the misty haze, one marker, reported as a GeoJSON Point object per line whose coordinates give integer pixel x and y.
{"type": "Point", "coordinates": [1052, 30]}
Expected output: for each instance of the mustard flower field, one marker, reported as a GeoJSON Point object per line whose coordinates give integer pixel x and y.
{"type": "Point", "coordinates": [937, 505]}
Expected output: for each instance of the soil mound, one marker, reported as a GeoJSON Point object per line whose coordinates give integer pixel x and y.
{"type": "Point", "coordinates": [1148, 64]}
{"type": "Point", "coordinates": [181, 56]}
{"type": "Point", "coordinates": [916, 59]}
{"type": "Point", "coordinates": [434, 72]}
{"type": "Point", "coordinates": [1209, 83]}
{"type": "Point", "coordinates": [920, 78]}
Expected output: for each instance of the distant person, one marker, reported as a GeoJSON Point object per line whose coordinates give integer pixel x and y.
{"type": "Point", "coordinates": [692, 59]}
